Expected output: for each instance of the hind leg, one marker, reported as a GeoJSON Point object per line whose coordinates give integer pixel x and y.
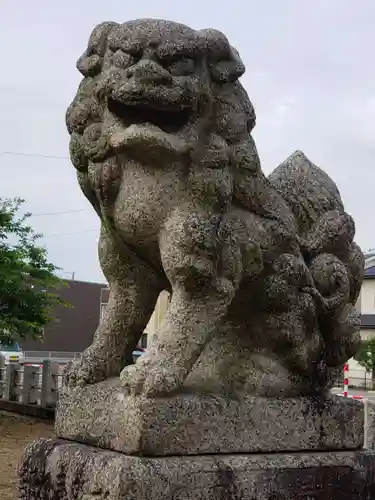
{"type": "Point", "coordinates": [133, 293]}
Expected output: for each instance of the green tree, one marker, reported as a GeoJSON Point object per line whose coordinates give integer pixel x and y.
{"type": "Point", "coordinates": [366, 356]}
{"type": "Point", "coordinates": [28, 282]}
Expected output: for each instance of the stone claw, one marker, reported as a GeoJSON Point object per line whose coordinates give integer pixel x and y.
{"type": "Point", "coordinates": [149, 380]}
{"type": "Point", "coordinates": [75, 375]}
{"type": "Point", "coordinates": [132, 379]}
{"type": "Point", "coordinates": [84, 370]}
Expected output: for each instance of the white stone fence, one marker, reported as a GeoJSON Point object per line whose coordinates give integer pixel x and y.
{"type": "Point", "coordinates": [30, 384]}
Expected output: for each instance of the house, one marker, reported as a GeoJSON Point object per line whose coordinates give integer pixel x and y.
{"type": "Point", "coordinates": [366, 307]}
{"type": "Point", "coordinates": [74, 327]}
{"type": "Point", "coordinates": [158, 315]}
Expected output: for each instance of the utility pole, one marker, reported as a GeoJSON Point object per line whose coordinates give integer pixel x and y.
{"type": "Point", "coordinates": [70, 273]}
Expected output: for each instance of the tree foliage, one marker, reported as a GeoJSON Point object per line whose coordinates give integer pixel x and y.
{"type": "Point", "coordinates": [366, 355]}
{"type": "Point", "coordinates": [28, 282]}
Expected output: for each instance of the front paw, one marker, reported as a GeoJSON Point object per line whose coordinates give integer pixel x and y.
{"type": "Point", "coordinates": [82, 371]}
{"type": "Point", "coordinates": [148, 380]}
{"type": "Point", "coordinates": [72, 374]}
{"type": "Point", "coordinates": [132, 379]}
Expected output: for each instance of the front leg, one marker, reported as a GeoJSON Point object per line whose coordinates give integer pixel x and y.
{"type": "Point", "coordinates": [200, 300]}
{"type": "Point", "coordinates": [188, 325]}
{"type": "Point", "coordinates": [133, 293]}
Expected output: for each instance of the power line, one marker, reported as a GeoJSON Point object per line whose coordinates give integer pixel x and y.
{"type": "Point", "coordinates": [35, 155]}
{"type": "Point", "coordinates": [68, 234]}
{"type": "Point", "coordinates": [59, 213]}
{"type": "Point", "coordinates": [52, 157]}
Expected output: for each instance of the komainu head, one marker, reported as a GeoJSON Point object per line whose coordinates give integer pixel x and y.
{"type": "Point", "coordinates": [157, 91]}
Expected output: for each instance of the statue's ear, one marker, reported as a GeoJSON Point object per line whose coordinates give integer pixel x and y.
{"type": "Point", "coordinates": [90, 62]}
{"type": "Point", "coordinates": [225, 63]}
{"type": "Point", "coordinates": [228, 70]}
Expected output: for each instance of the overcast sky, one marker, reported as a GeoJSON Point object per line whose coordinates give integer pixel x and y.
{"type": "Point", "coordinates": [310, 75]}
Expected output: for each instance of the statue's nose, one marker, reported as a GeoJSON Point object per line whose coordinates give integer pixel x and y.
{"type": "Point", "coordinates": [148, 71]}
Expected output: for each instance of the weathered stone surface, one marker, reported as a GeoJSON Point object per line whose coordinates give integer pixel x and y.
{"type": "Point", "coordinates": [67, 471]}
{"type": "Point", "coordinates": [370, 424]}
{"type": "Point", "coordinates": [263, 273]}
{"type": "Point", "coordinates": [198, 424]}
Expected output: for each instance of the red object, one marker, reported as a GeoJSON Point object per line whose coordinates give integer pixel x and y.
{"type": "Point", "coordinates": [346, 380]}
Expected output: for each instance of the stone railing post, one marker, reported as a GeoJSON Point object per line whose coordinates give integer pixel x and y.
{"type": "Point", "coordinates": [13, 382]}
{"type": "Point", "coordinates": [49, 390]}
{"type": "Point", "coordinates": [31, 385]}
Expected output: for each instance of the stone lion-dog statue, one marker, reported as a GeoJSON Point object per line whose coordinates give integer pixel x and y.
{"type": "Point", "coordinates": [263, 272]}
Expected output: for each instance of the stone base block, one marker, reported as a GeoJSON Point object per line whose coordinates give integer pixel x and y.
{"type": "Point", "coordinates": [197, 424]}
{"type": "Point", "coordinates": [70, 471]}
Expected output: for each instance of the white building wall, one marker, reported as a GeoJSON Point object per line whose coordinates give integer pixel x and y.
{"type": "Point", "coordinates": [158, 315]}
{"type": "Point", "coordinates": [357, 374]}
{"type": "Point", "coordinates": [367, 297]}
{"type": "Point", "coordinates": [365, 305]}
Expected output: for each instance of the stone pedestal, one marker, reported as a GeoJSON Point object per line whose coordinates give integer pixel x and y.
{"type": "Point", "coordinates": [198, 424]}
{"type": "Point", "coordinates": [71, 471]}
{"type": "Point", "coordinates": [200, 447]}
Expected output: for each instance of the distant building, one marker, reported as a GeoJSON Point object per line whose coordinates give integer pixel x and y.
{"type": "Point", "coordinates": [156, 318]}
{"type": "Point", "coordinates": [366, 307]}
{"type": "Point", "coordinates": [158, 315]}
{"type": "Point", "coordinates": [74, 327]}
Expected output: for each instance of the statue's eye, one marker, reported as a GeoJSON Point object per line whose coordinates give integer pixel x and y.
{"type": "Point", "coordinates": [180, 67]}
{"type": "Point", "coordinates": [121, 59]}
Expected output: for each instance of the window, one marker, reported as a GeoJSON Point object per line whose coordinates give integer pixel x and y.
{"type": "Point", "coordinates": [102, 310]}
{"type": "Point", "coordinates": [8, 346]}
{"type": "Point", "coordinates": [143, 341]}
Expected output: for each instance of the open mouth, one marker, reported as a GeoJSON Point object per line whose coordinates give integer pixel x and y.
{"type": "Point", "coordinates": [168, 120]}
